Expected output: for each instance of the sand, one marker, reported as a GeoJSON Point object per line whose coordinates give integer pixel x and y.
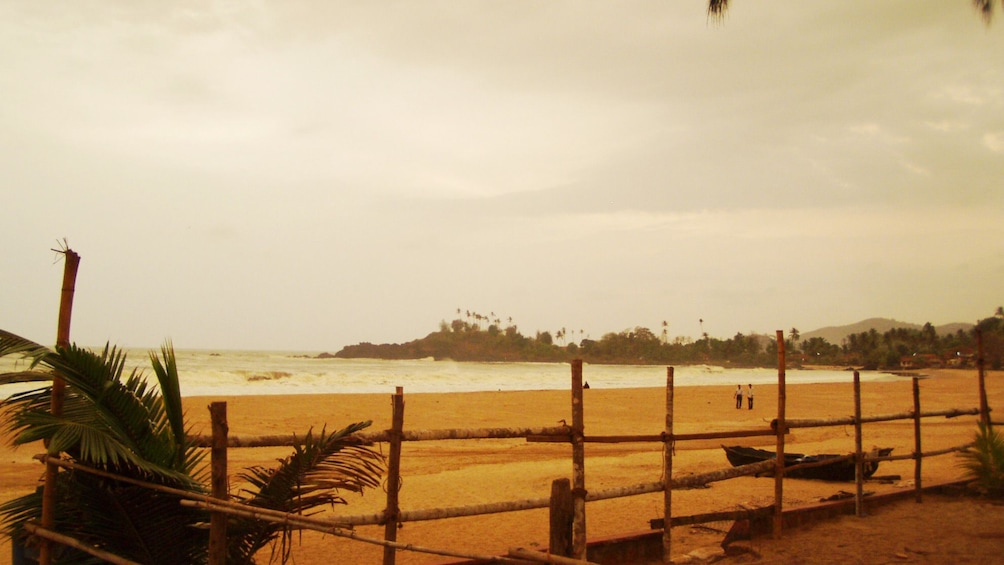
{"type": "Point", "coordinates": [453, 473]}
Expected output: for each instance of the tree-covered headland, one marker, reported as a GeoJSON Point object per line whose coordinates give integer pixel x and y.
{"type": "Point", "coordinates": [484, 339]}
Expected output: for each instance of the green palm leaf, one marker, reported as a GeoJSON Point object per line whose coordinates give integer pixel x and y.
{"type": "Point", "coordinates": [984, 461]}
{"type": "Point", "coordinates": [309, 478]}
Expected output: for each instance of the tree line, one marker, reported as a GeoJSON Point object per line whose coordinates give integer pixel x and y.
{"type": "Point", "coordinates": [485, 340]}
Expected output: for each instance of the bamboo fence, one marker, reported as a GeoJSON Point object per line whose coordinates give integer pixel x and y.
{"type": "Point", "coordinates": [568, 498]}
{"type": "Point", "coordinates": [567, 504]}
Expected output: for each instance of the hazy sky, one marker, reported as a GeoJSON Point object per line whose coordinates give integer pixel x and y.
{"type": "Point", "coordinates": [306, 175]}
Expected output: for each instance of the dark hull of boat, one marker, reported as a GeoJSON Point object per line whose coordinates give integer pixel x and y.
{"type": "Point", "coordinates": [838, 470]}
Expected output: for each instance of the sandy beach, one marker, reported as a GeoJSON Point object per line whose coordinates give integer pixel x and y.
{"type": "Point", "coordinates": [454, 473]}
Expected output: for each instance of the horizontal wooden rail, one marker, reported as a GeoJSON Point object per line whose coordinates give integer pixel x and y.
{"type": "Point", "coordinates": [849, 420]}
{"type": "Point", "coordinates": [326, 526]}
{"type": "Point", "coordinates": [36, 530]}
{"type": "Point", "coordinates": [561, 432]}
{"type": "Point", "coordinates": [723, 516]}
{"type": "Point", "coordinates": [653, 438]}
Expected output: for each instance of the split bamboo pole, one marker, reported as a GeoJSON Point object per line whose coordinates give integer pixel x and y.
{"type": "Point", "coordinates": [667, 473]}
{"type": "Point", "coordinates": [916, 440]}
{"type": "Point", "coordinates": [781, 428]}
{"type": "Point", "coordinates": [70, 267]}
{"type": "Point", "coordinates": [561, 516]}
{"type": "Point", "coordinates": [393, 511]}
{"type": "Point", "coordinates": [578, 465]}
{"type": "Point", "coordinates": [218, 482]}
{"type": "Point", "coordinates": [859, 464]}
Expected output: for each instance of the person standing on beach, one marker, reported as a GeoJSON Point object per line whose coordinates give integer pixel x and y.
{"type": "Point", "coordinates": [749, 395]}
{"type": "Point", "coordinates": [739, 397]}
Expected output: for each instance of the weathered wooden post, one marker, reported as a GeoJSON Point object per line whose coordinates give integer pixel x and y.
{"type": "Point", "coordinates": [219, 482]}
{"type": "Point", "coordinates": [781, 428]}
{"type": "Point", "coordinates": [981, 370]}
{"type": "Point", "coordinates": [578, 465]}
{"type": "Point", "coordinates": [917, 453]}
{"type": "Point", "coordinates": [72, 263]}
{"type": "Point", "coordinates": [561, 518]}
{"type": "Point", "coordinates": [393, 510]}
{"type": "Point", "coordinates": [667, 479]}
{"type": "Point", "coordinates": [859, 463]}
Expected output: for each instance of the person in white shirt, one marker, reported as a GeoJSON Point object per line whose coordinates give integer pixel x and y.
{"type": "Point", "coordinates": [739, 397]}
{"type": "Point", "coordinates": [749, 395]}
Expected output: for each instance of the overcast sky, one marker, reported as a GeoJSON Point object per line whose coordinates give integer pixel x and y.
{"type": "Point", "coordinates": [307, 175]}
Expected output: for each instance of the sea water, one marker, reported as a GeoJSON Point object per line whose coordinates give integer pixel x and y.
{"type": "Point", "coordinates": [233, 373]}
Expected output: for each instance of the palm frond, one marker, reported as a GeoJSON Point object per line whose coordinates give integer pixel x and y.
{"type": "Point", "coordinates": [12, 344]}
{"type": "Point", "coordinates": [984, 461]}
{"type": "Point", "coordinates": [309, 478]}
{"type": "Point", "coordinates": [717, 9]}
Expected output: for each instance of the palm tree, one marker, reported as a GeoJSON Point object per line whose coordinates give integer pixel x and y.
{"type": "Point", "coordinates": [122, 426]}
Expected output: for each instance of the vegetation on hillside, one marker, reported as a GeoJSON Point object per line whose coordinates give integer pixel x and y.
{"type": "Point", "coordinates": [484, 340]}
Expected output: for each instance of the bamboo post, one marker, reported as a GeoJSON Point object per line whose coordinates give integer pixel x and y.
{"type": "Point", "coordinates": [393, 510]}
{"type": "Point", "coordinates": [918, 454]}
{"type": "Point", "coordinates": [72, 262]}
{"type": "Point", "coordinates": [781, 428]}
{"type": "Point", "coordinates": [667, 479]}
{"type": "Point", "coordinates": [981, 371]}
{"type": "Point", "coordinates": [561, 517]}
{"type": "Point", "coordinates": [578, 465]}
{"type": "Point", "coordinates": [859, 463]}
{"type": "Point", "coordinates": [218, 482]}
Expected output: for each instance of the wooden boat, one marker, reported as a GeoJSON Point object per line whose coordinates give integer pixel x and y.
{"type": "Point", "coordinates": [841, 469]}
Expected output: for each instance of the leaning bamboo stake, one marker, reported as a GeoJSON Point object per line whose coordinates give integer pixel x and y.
{"type": "Point", "coordinates": [859, 463]}
{"type": "Point", "coordinates": [392, 512]}
{"type": "Point", "coordinates": [916, 439]}
{"type": "Point", "coordinates": [218, 483]}
{"type": "Point", "coordinates": [578, 465]}
{"type": "Point", "coordinates": [781, 428]}
{"type": "Point", "coordinates": [72, 262]}
{"type": "Point", "coordinates": [667, 473]}
{"type": "Point", "coordinates": [49, 535]}
{"type": "Point", "coordinates": [307, 523]}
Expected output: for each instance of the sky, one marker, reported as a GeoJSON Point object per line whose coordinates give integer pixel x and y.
{"type": "Point", "coordinates": [306, 175]}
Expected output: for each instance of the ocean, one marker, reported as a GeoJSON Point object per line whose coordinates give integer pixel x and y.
{"type": "Point", "coordinates": [234, 373]}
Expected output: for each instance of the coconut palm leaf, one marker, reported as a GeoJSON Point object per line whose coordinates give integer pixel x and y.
{"type": "Point", "coordinates": [309, 478]}
{"type": "Point", "coordinates": [120, 424]}
{"type": "Point", "coordinates": [123, 426]}
{"type": "Point", "coordinates": [12, 345]}
{"type": "Point", "coordinates": [984, 461]}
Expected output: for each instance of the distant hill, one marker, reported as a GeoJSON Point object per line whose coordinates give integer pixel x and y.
{"type": "Point", "coordinates": [836, 334]}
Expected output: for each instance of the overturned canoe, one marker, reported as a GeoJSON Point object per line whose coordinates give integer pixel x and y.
{"type": "Point", "coordinates": [840, 469]}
